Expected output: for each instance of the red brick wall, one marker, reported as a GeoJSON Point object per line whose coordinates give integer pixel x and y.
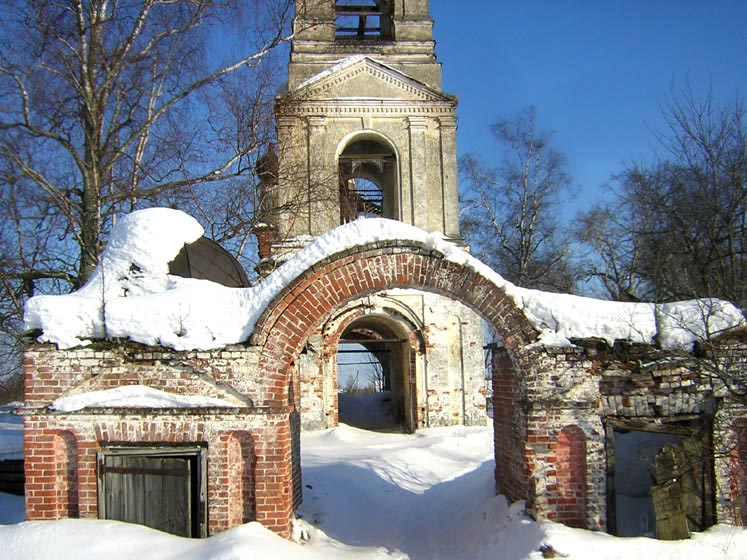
{"type": "Point", "coordinates": [249, 472]}
{"type": "Point", "coordinates": [513, 462]}
{"type": "Point", "coordinates": [571, 477]}
{"type": "Point", "coordinates": [249, 449]}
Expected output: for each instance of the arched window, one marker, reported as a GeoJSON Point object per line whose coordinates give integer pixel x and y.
{"type": "Point", "coordinates": [367, 174]}
{"type": "Point", "coordinates": [359, 20]}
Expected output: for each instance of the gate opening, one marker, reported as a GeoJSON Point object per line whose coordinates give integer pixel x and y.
{"type": "Point", "coordinates": [161, 488]}
{"type": "Point", "coordinates": [660, 482]}
{"type": "Point", "coordinates": [373, 377]}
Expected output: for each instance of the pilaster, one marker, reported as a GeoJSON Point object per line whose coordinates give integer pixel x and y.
{"type": "Point", "coordinates": [418, 127]}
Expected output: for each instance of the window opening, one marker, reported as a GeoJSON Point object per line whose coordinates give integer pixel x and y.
{"type": "Point", "coordinates": [367, 181]}
{"type": "Point", "coordinates": [360, 20]}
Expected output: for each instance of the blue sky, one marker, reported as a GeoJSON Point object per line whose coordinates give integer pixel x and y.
{"type": "Point", "coordinates": [596, 70]}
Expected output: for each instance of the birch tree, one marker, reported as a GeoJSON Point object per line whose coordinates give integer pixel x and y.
{"type": "Point", "coordinates": [680, 219]}
{"type": "Point", "coordinates": [509, 212]}
{"type": "Point", "coordinates": [107, 106]}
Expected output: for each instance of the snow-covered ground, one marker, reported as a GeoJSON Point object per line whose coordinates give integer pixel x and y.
{"type": "Point", "coordinates": [371, 496]}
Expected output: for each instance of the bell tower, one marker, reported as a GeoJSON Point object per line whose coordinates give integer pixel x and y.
{"type": "Point", "coordinates": [364, 129]}
{"type": "Point", "coordinates": [395, 32]}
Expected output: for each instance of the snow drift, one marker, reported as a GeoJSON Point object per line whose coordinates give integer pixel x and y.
{"type": "Point", "coordinates": [131, 295]}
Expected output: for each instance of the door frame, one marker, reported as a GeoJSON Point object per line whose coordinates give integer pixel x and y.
{"type": "Point", "coordinates": [198, 480]}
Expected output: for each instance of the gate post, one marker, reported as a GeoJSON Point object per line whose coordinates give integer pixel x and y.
{"type": "Point", "coordinates": [274, 476]}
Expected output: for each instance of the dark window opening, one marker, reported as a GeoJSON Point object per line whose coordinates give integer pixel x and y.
{"type": "Point", "coordinates": [659, 480]}
{"type": "Point", "coordinates": [360, 20]}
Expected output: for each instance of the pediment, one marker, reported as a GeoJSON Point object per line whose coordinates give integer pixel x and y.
{"type": "Point", "coordinates": [364, 78]}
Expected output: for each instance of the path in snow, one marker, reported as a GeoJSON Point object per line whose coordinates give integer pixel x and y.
{"type": "Point", "coordinates": [370, 496]}
{"type": "Point", "coordinates": [428, 495]}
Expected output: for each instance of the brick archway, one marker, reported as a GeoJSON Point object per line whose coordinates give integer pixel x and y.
{"type": "Point", "coordinates": [283, 328]}
{"type": "Point", "coordinates": [389, 318]}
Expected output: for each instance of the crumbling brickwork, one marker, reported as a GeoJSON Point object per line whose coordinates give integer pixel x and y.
{"type": "Point", "coordinates": [257, 439]}
{"type": "Point", "coordinates": [570, 398]}
{"type": "Point", "coordinates": [249, 467]}
{"type": "Point", "coordinates": [554, 407]}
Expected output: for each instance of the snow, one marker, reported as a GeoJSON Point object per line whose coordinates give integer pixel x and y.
{"type": "Point", "coordinates": [371, 412]}
{"type": "Point", "coordinates": [135, 396]}
{"type": "Point", "coordinates": [342, 65]}
{"type": "Point", "coordinates": [131, 295]}
{"type": "Point", "coordinates": [371, 496]}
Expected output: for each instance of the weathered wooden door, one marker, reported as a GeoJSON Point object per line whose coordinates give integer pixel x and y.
{"type": "Point", "coordinates": [157, 491]}
{"type": "Point", "coordinates": [680, 496]}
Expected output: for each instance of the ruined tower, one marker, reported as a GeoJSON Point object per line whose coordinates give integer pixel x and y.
{"type": "Point", "coordinates": [365, 130]}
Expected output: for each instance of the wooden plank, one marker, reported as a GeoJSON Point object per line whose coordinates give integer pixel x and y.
{"type": "Point", "coordinates": [671, 522]}
{"type": "Point", "coordinates": [682, 464]}
{"type": "Point", "coordinates": [151, 491]}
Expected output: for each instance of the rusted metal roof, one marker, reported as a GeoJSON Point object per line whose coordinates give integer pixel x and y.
{"type": "Point", "coordinates": [206, 260]}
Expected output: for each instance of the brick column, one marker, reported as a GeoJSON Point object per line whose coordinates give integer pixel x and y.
{"type": "Point", "coordinates": [274, 478]}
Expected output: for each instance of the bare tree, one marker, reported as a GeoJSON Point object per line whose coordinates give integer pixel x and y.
{"type": "Point", "coordinates": [110, 103]}
{"type": "Point", "coordinates": [676, 227]}
{"type": "Point", "coordinates": [107, 106]}
{"type": "Point", "coordinates": [510, 211]}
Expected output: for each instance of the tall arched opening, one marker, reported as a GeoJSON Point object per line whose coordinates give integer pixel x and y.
{"type": "Point", "coordinates": [368, 179]}
{"type": "Point", "coordinates": [304, 309]}
{"type": "Point", "coordinates": [377, 388]}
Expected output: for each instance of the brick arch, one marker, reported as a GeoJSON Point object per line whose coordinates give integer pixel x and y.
{"type": "Point", "coordinates": [392, 317]}
{"type": "Point", "coordinates": [283, 328]}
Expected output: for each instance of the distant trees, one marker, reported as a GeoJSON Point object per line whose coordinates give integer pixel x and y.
{"type": "Point", "coordinates": [510, 212]}
{"type": "Point", "coordinates": [111, 105]}
{"type": "Point", "coordinates": [676, 226]}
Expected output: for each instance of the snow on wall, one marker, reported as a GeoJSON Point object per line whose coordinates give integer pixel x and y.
{"type": "Point", "coordinates": [135, 396]}
{"type": "Point", "coordinates": [131, 295]}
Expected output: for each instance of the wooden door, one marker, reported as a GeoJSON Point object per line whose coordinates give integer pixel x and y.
{"type": "Point", "coordinates": [680, 496]}
{"type": "Point", "coordinates": [155, 491]}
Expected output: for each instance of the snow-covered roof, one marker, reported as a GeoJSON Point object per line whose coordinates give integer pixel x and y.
{"type": "Point", "coordinates": [131, 295]}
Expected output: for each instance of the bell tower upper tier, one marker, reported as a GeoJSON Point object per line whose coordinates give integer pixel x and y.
{"type": "Point", "coordinates": [398, 33]}
{"type": "Point", "coordinates": [364, 129]}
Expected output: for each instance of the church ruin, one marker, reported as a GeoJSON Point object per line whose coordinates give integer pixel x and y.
{"type": "Point", "coordinates": [365, 131]}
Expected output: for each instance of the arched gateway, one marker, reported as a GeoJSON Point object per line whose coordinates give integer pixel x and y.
{"type": "Point", "coordinates": [363, 130]}
{"type": "Point", "coordinates": [326, 290]}
{"type": "Point", "coordinates": [284, 327]}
